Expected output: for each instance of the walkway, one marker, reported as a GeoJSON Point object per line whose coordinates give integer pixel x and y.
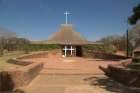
{"type": "Point", "coordinates": [66, 84]}
{"type": "Point", "coordinates": [68, 75]}
{"type": "Point", "coordinates": [72, 65]}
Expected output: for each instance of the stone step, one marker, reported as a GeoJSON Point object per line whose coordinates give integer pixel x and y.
{"type": "Point", "coordinates": [69, 71]}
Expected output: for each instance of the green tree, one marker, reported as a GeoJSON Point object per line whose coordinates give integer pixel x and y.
{"type": "Point", "coordinates": [133, 19]}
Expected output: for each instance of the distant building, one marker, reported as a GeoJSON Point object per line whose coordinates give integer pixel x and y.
{"type": "Point", "coordinates": [71, 42]}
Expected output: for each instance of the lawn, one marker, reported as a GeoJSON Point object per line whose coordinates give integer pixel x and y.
{"type": "Point", "coordinates": [3, 60]}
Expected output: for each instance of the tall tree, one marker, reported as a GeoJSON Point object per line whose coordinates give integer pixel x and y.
{"type": "Point", "coordinates": [135, 17]}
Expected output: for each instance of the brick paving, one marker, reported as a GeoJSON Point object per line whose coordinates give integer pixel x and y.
{"type": "Point", "coordinates": [72, 65]}
{"type": "Point", "coordinates": [67, 75]}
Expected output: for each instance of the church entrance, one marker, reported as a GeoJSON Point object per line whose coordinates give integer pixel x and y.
{"type": "Point", "coordinates": [71, 50]}
{"type": "Point", "coordinates": [68, 51]}
{"type": "Point", "coordinates": [79, 51]}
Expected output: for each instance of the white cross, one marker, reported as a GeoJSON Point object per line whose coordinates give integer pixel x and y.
{"type": "Point", "coordinates": [67, 13]}
{"type": "Point", "coordinates": [65, 49]}
{"type": "Point", "coordinates": [71, 50]}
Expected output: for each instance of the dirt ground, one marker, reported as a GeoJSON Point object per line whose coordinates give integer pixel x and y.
{"type": "Point", "coordinates": [69, 75]}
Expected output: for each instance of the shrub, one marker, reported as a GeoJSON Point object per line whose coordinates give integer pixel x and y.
{"type": "Point", "coordinates": [39, 47]}
{"type": "Point", "coordinates": [100, 48]}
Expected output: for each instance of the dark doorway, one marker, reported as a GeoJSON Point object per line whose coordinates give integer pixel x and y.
{"type": "Point", "coordinates": [79, 51]}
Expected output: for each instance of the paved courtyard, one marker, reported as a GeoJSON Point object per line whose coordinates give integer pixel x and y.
{"type": "Point", "coordinates": [68, 75]}
{"type": "Point", "coordinates": [72, 65]}
{"type": "Point", "coordinates": [66, 84]}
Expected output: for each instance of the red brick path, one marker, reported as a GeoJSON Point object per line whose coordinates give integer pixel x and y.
{"type": "Point", "coordinates": [72, 65]}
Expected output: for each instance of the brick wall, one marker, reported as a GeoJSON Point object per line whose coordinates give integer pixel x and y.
{"type": "Point", "coordinates": [101, 55]}
{"type": "Point", "coordinates": [11, 79]}
{"type": "Point", "coordinates": [123, 75]}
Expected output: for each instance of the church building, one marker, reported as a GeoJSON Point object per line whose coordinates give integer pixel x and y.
{"type": "Point", "coordinates": [71, 42]}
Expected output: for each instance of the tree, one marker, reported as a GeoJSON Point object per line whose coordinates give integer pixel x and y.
{"type": "Point", "coordinates": [134, 33]}
{"type": "Point", "coordinates": [118, 42]}
{"type": "Point", "coordinates": [134, 18]}
{"type": "Point", "coordinates": [1, 46]}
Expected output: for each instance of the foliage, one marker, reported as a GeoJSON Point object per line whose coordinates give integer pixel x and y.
{"type": "Point", "coordinates": [116, 42]}
{"type": "Point", "coordinates": [133, 19]}
{"type": "Point", "coordinates": [100, 48]}
{"type": "Point", "coordinates": [39, 47]}
{"type": "Point", "coordinates": [11, 44]}
{"type": "Point", "coordinates": [134, 36]}
{"type": "Point", "coordinates": [4, 65]}
{"type": "Point", "coordinates": [14, 44]}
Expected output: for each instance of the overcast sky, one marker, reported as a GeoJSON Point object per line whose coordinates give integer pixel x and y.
{"type": "Point", "coordinates": [38, 19]}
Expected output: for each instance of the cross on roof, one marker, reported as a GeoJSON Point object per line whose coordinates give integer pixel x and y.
{"type": "Point", "coordinates": [67, 13]}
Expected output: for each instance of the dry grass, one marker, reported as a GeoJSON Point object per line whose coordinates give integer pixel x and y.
{"type": "Point", "coordinates": [4, 65]}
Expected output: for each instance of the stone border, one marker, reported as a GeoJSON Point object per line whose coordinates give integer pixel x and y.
{"type": "Point", "coordinates": [103, 55]}
{"type": "Point", "coordinates": [13, 78]}
{"type": "Point", "coordinates": [33, 55]}
{"type": "Point", "coordinates": [125, 76]}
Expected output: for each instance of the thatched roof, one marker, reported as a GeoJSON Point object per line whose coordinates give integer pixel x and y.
{"type": "Point", "coordinates": [67, 35]}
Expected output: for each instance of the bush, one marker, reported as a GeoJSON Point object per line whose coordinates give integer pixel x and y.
{"type": "Point", "coordinates": [100, 48]}
{"type": "Point", "coordinates": [39, 47]}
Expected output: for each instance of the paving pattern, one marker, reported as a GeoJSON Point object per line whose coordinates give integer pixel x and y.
{"type": "Point", "coordinates": [72, 65]}
{"type": "Point", "coordinates": [65, 84]}
{"type": "Point", "coordinates": [68, 75]}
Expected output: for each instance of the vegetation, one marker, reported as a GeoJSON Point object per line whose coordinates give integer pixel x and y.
{"type": "Point", "coordinates": [110, 44]}
{"type": "Point", "coordinates": [39, 47]}
{"type": "Point", "coordinates": [100, 48]}
{"type": "Point", "coordinates": [134, 36]}
{"type": "Point", "coordinates": [12, 44]}
{"type": "Point", "coordinates": [115, 42]}
{"type": "Point", "coordinates": [3, 60]}
{"type": "Point", "coordinates": [21, 44]}
{"type": "Point", "coordinates": [119, 43]}
{"type": "Point", "coordinates": [134, 18]}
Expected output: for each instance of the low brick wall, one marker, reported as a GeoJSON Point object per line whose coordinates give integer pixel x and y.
{"type": "Point", "coordinates": [19, 62]}
{"type": "Point", "coordinates": [42, 54]}
{"type": "Point", "coordinates": [123, 75]}
{"type": "Point", "coordinates": [26, 74]}
{"type": "Point", "coordinates": [11, 79]}
{"type": "Point", "coordinates": [34, 55]}
{"type": "Point", "coordinates": [102, 55]}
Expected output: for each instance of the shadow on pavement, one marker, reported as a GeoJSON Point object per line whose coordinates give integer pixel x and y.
{"type": "Point", "coordinates": [16, 91]}
{"type": "Point", "coordinates": [109, 85]}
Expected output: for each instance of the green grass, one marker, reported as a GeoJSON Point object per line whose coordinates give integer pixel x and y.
{"type": "Point", "coordinates": [4, 65]}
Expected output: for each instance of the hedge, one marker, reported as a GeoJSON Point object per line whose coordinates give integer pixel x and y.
{"type": "Point", "coordinates": [39, 47]}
